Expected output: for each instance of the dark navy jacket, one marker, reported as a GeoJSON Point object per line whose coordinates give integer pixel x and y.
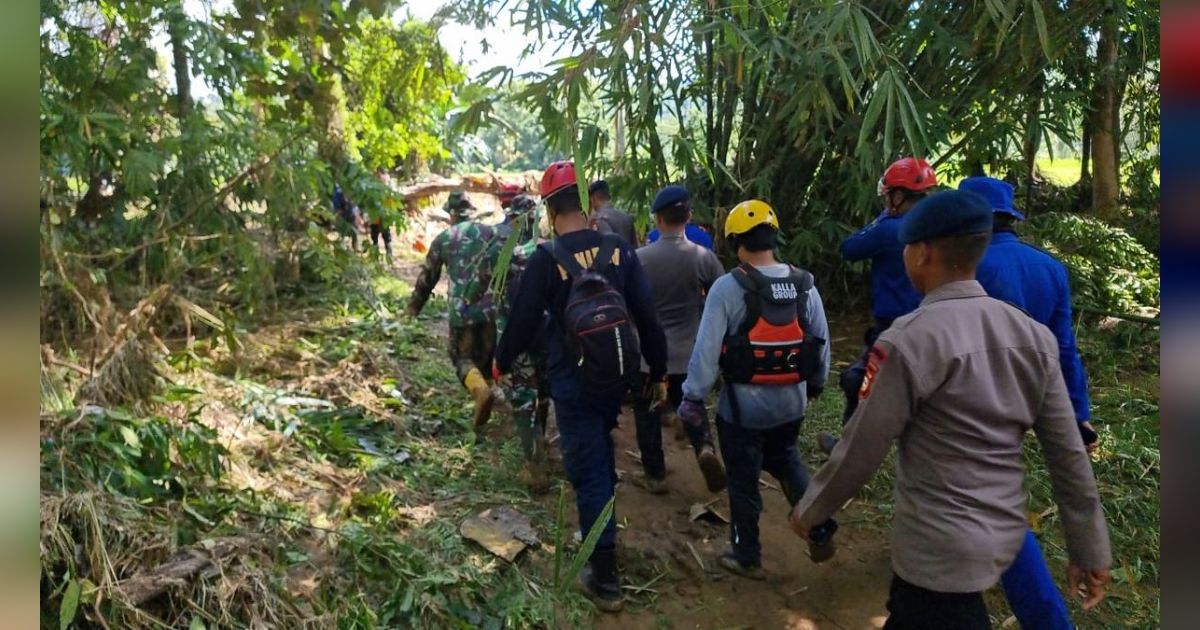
{"type": "Point", "coordinates": [892, 294]}
{"type": "Point", "coordinates": [544, 287]}
{"type": "Point", "coordinates": [1024, 275]}
{"type": "Point", "coordinates": [693, 232]}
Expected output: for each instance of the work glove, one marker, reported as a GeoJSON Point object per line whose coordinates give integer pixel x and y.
{"type": "Point", "coordinates": [1091, 439]}
{"type": "Point", "coordinates": [692, 412]}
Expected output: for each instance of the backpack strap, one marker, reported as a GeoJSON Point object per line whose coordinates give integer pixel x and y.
{"type": "Point", "coordinates": [564, 258]}
{"type": "Point", "coordinates": [747, 278]}
{"type": "Point", "coordinates": [804, 283]}
{"type": "Point", "coordinates": [609, 243]}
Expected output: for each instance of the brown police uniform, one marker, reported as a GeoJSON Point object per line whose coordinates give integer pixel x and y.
{"type": "Point", "coordinates": [958, 382]}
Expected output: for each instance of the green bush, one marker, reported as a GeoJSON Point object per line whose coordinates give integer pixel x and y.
{"type": "Point", "coordinates": [1110, 270]}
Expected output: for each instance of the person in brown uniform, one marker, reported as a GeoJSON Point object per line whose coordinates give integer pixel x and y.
{"type": "Point", "coordinates": [957, 383]}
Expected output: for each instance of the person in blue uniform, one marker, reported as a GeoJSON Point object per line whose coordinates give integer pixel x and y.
{"type": "Point", "coordinates": [1034, 281]}
{"type": "Point", "coordinates": [691, 232]}
{"type": "Point", "coordinates": [905, 182]}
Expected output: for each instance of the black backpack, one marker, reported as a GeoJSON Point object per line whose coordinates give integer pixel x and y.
{"type": "Point", "coordinates": [772, 346]}
{"type": "Point", "coordinates": [596, 321]}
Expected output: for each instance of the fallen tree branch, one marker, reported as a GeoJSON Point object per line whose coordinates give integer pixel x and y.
{"type": "Point", "coordinates": [177, 571]}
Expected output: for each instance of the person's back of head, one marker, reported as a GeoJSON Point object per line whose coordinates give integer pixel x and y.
{"type": "Point", "coordinates": [599, 193]}
{"type": "Point", "coordinates": [906, 182]}
{"type": "Point", "coordinates": [752, 229]}
{"type": "Point", "coordinates": [672, 206]}
{"type": "Point", "coordinates": [999, 196]}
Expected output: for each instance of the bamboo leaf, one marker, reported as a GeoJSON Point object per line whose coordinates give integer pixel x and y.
{"type": "Point", "coordinates": [1043, 33]}
{"type": "Point", "coordinates": [871, 117]}
{"type": "Point", "coordinates": [588, 546]}
{"type": "Point", "coordinates": [70, 605]}
{"type": "Point", "coordinates": [888, 122]}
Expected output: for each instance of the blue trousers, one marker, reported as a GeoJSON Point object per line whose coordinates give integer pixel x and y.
{"type": "Point", "coordinates": [585, 423]}
{"type": "Point", "coordinates": [748, 452]}
{"type": "Point", "coordinates": [1031, 592]}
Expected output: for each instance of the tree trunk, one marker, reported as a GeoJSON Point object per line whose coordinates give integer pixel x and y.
{"type": "Point", "coordinates": [1029, 149]}
{"type": "Point", "coordinates": [1105, 182]}
{"type": "Point", "coordinates": [183, 78]}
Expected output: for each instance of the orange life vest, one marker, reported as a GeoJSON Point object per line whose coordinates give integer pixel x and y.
{"type": "Point", "coordinates": [772, 345]}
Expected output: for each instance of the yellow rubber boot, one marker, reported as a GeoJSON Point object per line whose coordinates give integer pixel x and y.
{"type": "Point", "coordinates": [482, 393]}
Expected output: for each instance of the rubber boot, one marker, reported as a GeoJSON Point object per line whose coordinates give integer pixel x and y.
{"type": "Point", "coordinates": [599, 581]}
{"type": "Point", "coordinates": [482, 393]}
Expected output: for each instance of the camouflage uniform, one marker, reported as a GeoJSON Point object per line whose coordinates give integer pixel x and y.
{"type": "Point", "coordinates": [528, 392]}
{"type": "Point", "coordinates": [462, 249]}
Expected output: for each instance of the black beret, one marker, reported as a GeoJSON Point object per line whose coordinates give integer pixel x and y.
{"type": "Point", "coordinates": [949, 213]}
{"type": "Point", "coordinates": [669, 196]}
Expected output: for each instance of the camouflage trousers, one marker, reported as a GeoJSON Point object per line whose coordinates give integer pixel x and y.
{"type": "Point", "coordinates": [471, 346]}
{"type": "Point", "coordinates": [529, 395]}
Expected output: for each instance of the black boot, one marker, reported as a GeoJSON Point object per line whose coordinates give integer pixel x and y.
{"type": "Point", "coordinates": [599, 581]}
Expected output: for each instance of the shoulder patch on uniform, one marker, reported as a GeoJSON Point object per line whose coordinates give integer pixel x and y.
{"type": "Point", "coordinates": [875, 358]}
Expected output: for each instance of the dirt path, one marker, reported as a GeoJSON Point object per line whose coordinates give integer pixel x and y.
{"type": "Point", "coordinates": [661, 548]}
{"type": "Point", "coordinates": [847, 592]}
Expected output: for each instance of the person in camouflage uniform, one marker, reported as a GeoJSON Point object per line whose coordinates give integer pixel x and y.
{"type": "Point", "coordinates": [463, 249]}
{"type": "Point", "coordinates": [528, 390]}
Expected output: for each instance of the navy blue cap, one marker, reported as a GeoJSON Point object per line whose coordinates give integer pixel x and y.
{"type": "Point", "coordinates": [998, 193]}
{"type": "Point", "coordinates": [948, 213]}
{"type": "Point", "coordinates": [669, 196]}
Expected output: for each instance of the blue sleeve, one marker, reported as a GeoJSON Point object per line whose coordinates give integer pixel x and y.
{"type": "Point", "coordinates": [641, 305]}
{"type": "Point", "coordinates": [869, 241]}
{"type": "Point", "coordinates": [706, 352]}
{"type": "Point", "coordinates": [1068, 354]}
{"type": "Point", "coordinates": [697, 235]}
{"type": "Point", "coordinates": [527, 308]}
{"type": "Point", "coordinates": [652, 236]}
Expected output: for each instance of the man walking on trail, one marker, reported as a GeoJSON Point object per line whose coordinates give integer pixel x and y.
{"type": "Point", "coordinates": [461, 248]}
{"type": "Point", "coordinates": [528, 390]}
{"type": "Point", "coordinates": [680, 272]}
{"type": "Point", "coordinates": [606, 218]}
{"type": "Point", "coordinates": [764, 331]}
{"type": "Point", "coordinates": [592, 285]}
{"type": "Point", "coordinates": [1035, 282]}
{"type": "Point", "coordinates": [905, 182]}
{"type": "Point", "coordinates": [957, 383]}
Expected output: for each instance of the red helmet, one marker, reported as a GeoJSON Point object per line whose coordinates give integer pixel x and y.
{"type": "Point", "coordinates": [558, 176]}
{"type": "Point", "coordinates": [909, 173]}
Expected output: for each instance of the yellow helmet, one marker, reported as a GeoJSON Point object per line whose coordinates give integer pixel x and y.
{"type": "Point", "coordinates": [749, 214]}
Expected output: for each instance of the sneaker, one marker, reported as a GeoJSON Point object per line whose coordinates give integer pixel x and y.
{"type": "Point", "coordinates": [650, 484]}
{"type": "Point", "coordinates": [712, 468]}
{"type": "Point", "coordinates": [732, 565]}
{"type": "Point", "coordinates": [606, 597]}
{"type": "Point", "coordinates": [827, 441]}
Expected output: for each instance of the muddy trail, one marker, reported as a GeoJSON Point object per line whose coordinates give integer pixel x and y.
{"type": "Point", "coordinates": [664, 550]}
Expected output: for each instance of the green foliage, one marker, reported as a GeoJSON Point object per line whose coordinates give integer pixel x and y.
{"type": "Point", "coordinates": [1110, 270]}
{"type": "Point", "coordinates": [145, 458]}
{"type": "Point", "coordinates": [399, 82]}
{"type": "Point", "coordinates": [804, 103]}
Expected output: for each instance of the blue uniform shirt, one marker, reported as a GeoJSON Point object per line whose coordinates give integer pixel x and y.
{"type": "Point", "coordinates": [1024, 275]}
{"type": "Point", "coordinates": [691, 231]}
{"type": "Point", "coordinates": [892, 294]}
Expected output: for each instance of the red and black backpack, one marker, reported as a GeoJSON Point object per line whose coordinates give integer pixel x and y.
{"type": "Point", "coordinates": [772, 345]}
